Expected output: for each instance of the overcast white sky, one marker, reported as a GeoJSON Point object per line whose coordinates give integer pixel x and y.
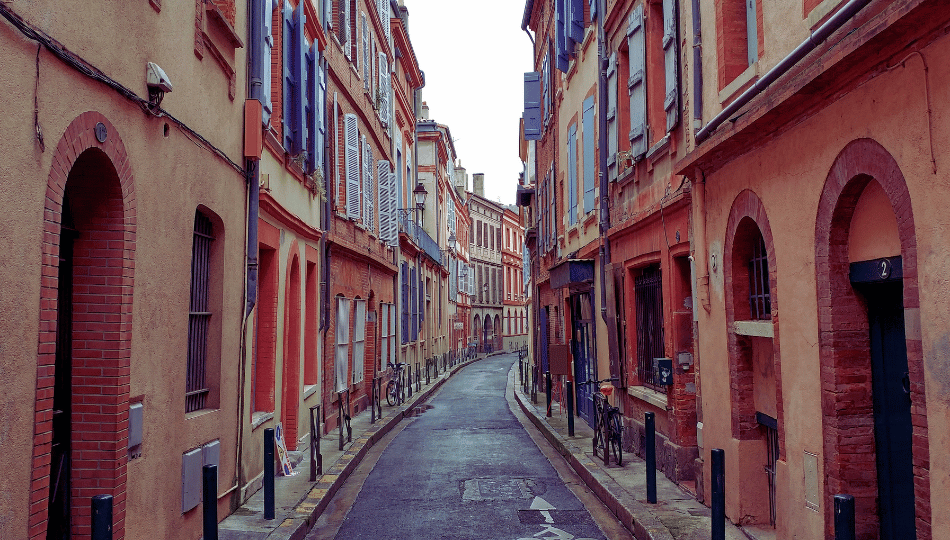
{"type": "Point", "coordinates": [474, 55]}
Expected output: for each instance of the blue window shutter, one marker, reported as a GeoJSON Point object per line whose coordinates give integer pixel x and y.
{"type": "Point", "coordinates": [670, 56]}
{"type": "Point", "coordinates": [266, 51]}
{"type": "Point", "coordinates": [352, 165]}
{"type": "Point", "coordinates": [288, 75]}
{"type": "Point", "coordinates": [422, 300]}
{"type": "Point", "coordinates": [589, 155]}
{"type": "Point", "coordinates": [572, 174]}
{"type": "Point", "coordinates": [311, 107]}
{"type": "Point", "coordinates": [299, 75]}
{"type": "Point", "coordinates": [560, 36]}
{"type": "Point", "coordinates": [752, 30]}
{"type": "Point", "coordinates": [577, 20]}
{"type": "Point", "coordinates": [546, 86]}
{"type": "Point", "coordinates": [414, 304]}
{"type": "Point", "coordinates": [532, 106]}
{"type": "Point", "coordinates": [405, 303]}
{"type": "Point", "coordinates": [636, 85]}
{"type": "Point", "coordinates": [612, 118]}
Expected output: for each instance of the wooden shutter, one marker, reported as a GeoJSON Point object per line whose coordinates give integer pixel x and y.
{"type": "Point", "coordinates": [267, 52]}
{"type": "Point", "coordinates": [369, 203]}
{"type": "Point", "coordinates": [287, 78]}
{"type": "Point", "coordinates": [422, 299]}
{"type": "Point", "coordinates": [405, 303]}
{"type": "Point", "coordinates": [752, 30]}
{"type": "Point", "coordinates": [572, 174]}
{"type": "Point", "coordinates": [590, 155]}
{"type": "Point", "coordinates": [576, 27]}
{"type": "Point", "coordinates": [387, 202]}
{"type": "Point", "coordinates": [636, 85]}
{"type": "Point", "coordinates": [352, 162]}
{"type": "Point", "coordinates": [413, 304]}
{"type": "Point", "coordinates": [345, 27]}
{"type": "Point", "coordinates": [384, 88]}
{"type": "Point", "coordinates": [560, 37]}
{"type": "Point", "coordinates": [612, 168]}
{"type": "Point", "coordinates": [532, 106]}
{"type": "Point", "coordinates": [670, 56]}
{"type": "Point", "coordinates": [312, 90]}
{"type": "Point", "coordinates": [365, 50]}
{"type": "Point", "coordinates": [546, 87]}
{"type": "Point", "coordinates": [320, 109]}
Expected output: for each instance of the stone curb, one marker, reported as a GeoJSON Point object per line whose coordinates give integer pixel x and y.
{"type": "Point", "coordinates": [634, 515]}
{"type": "Point", "coordinates": [317, 500]}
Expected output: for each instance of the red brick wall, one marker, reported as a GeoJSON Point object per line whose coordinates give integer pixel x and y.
{"type": "Point", "coordinates": [265, 360]}
{"type": "Point", "coordinates": [102, 299]}
{"type": "Point", "coordinates": [290, 398]}
{"type": "Point", "coordinates": [847, 428]}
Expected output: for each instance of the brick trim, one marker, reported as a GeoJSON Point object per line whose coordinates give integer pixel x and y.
{"type": "Point", "coordinates": [847, 410]}
{"type": "Point", "coordinates": [290, 398]}
{"type": "Point", "coordinates": [747, 212]}
{"type": "Point", "coordinates": [104, 445]}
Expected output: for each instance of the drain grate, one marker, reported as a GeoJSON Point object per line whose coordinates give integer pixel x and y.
{"type": "Point", "coordinates": [495, 489]}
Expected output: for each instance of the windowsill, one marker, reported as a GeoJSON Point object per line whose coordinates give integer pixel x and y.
{"type": "Point", "coordinates": [199, 413]}
{"type": "Point", "coordinates": [260, 418]}
{"type": "Point", "coordinates": [754, 328]}
{"type": "Point", "coordinates": [660, 146]}
{"type": "Point", "coordinates": [728, 93]}
{"type": "Point", "coordinates": [650, 396]}
{"type": "Point", "coordinates": [309, 390]}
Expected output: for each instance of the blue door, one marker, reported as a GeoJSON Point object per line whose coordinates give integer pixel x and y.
{"type": "Point", "coordinates": [892, 422]}
{"type": "Point", "coordinates": [582, 348]}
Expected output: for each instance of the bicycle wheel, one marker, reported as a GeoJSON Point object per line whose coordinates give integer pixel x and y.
{"type": "Point", "coordinates": [391, 393]}
{"type": "Point", "coordinates": [616, 438]}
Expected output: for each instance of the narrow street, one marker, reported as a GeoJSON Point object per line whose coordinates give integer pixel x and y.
{"type": "Point", "coordinates": [466, 468]}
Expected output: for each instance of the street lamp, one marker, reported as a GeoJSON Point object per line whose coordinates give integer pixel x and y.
{"type": "Point", "coordinates": [420, 195]}
{"type": "Point", "coordinates": [450, 249]}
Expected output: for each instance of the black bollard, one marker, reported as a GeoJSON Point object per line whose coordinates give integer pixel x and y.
{"type": "Point", "coordinates": [209, 506]}
{"type": "Point", "coordinates": [844, 517]}
{"type": "Point", "coordinates": [269, 508]}
{"type": "Point", "coordinates": [651, 456]}
{"type": "Point", "coordinates": [718, 462]}
{"type": "Point", "coordinates": [570, 407]}
{"type": "Point", "coordinates": [547, 390]}
{"type": "Point", "coordinates": [102, 517]}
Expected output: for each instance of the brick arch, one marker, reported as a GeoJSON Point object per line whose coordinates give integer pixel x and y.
{"type": "Point", "coordinates": [114, 323]}
{"type": "Point", "coordinates": [748, 212]}
{"type": "Point", "coordinates": [847, 410]}
{"type": "Point", "coordinates": [290, 398]}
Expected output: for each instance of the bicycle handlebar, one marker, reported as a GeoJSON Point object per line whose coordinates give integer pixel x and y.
{"type": "Point", "coordinates": [591, 381]}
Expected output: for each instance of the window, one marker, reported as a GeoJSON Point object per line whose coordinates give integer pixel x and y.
{"type": "Point", "coordinates": [266, 344]}
{"type": "Point", "coordinates": [760, 304]}
{"type": "Point", "coordinates": [311, 356]}
{"type": "Point", "coordinates": [405, 303]}
{"type": "Point", "coordinates": [590, 156]}
{"type": "Point", "coordinates": [342, 347]}
{"type": "Point", "coordinates": [199, 315]}
{"type": "Point", "coordinates": [359, 339]}
{"type": "Point", "coordinates": [648, 293]}
{"type": "Point", "coordinates": [739, 41]}
{"type": "Point", "coordinates": [352, 165]}
{"type": "Point", "coordinates": [387, 339]}
{"type": "Point", "coordinates": [369, 188]}
{"type": "Point", "coordinates": [572, 174]}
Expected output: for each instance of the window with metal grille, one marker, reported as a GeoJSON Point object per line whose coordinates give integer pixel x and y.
{"type": "Point", "coordinates": [760, 301]}
{"type": "Point", "coordinates": [196, 387]}
{"type": "Point", "coordinates": [648, 294]}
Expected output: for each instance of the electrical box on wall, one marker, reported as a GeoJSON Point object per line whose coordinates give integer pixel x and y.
{"type": "Point", "coordinates": [136, 415]}
{"type": "Point", "coordinates": [191, 464]}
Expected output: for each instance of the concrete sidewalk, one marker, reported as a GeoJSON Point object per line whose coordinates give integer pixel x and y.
{"type": "Point", "coordinates": [676, 516]}
{"type": "Point", "coordinates": [300, 502]}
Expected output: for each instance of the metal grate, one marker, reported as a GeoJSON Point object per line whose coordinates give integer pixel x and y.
{"type": "Point", "coordinates": [649, 297]}
{"type": "Point", "coordinates": [771, 441]}
{"type": "Point", "coordinates": [196, 388]}
{"type": "Point", "coordinates": [760, 301]}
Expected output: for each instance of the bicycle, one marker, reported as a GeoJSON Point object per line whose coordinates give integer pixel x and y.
{"type": "Point", "coordinates": [394, 388]}
{"type": "Point", "coordinates": [608, 423]}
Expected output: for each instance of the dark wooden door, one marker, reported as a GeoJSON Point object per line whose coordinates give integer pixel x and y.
{"type": "Point", "coordinates": [892, 422]}
{"type": "Point", "coordinates": [582, 342]}
{"type": "Point", "coordinates": [59, 505]}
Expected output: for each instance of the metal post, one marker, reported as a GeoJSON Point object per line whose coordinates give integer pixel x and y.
{"type": "Point", "coordinates": [102, 517]}
{"type": "Point", "coordinates": [547, 390]}
{"type": "Point", "coordinates": [316, 457]}
{"type": "Point", "coordinates": [569, 396]}
{"type": "Point", "coordinates": [269, 509]}
{"type": "Point", "coordinates": [844, 517]}
{"type": "Point", "coordinates": [408, 380]}
{"type": "Point", "coordinates": [209, 507]}
{"type": "Point", "coordinates": [718, 462]}
{"type": "Point", "coordinates": [651, 457]}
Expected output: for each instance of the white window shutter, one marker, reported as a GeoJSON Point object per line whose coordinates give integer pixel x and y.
{"type": "Point", "coordinates": [365, 57]}
{"type": "Point", "coordinates": [670, 54]}
{"type": "Point", "coordinates": [367, 173]}
{"type": "Point", "coordinates": [384, 87]}
{"type": "Point", "coordinates": [386, 202]}
{"type": "Point", "coordinates": [345, 27]}
{"type": "Point", "coordinates": [352, 157]}
{"type": "Point", "coordinates": [636, 84]}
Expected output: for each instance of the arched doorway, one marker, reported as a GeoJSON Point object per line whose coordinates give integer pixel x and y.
{"type": "Point", "coordinates": [290, 397]}
{"type": "Point", "coordinates": [872, 372]}
{"type": "Point", "coordinates": [498, 343]}
{"type": "Point", "coordinates": [89, 240]}
{"type": "Point", "coordinates": [477, 333]}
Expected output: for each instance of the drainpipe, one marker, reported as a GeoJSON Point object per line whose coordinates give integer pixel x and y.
{"type": "Point", "coordinates": [255, 10]}
{"type": "Point", "coordinates": [602, 128]}
{"type": "Point", "coordinates": [816, 38]}
{"type": "Point", "coordinates": [697, 66]}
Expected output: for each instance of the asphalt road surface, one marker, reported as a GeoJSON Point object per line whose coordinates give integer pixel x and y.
{"type": "Point", "coordinates": [464, 469]}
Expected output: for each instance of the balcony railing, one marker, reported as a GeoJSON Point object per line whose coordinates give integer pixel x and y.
{"type": "Point", "coordinates": [421, 238]}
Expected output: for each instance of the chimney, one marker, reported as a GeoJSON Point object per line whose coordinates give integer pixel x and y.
{"type": "Point", "coordinates": [461, 177]}
{"type": "Point", "coordinates": [425, 111]}
{"type": "Point", "coordinates": [479, 184]}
